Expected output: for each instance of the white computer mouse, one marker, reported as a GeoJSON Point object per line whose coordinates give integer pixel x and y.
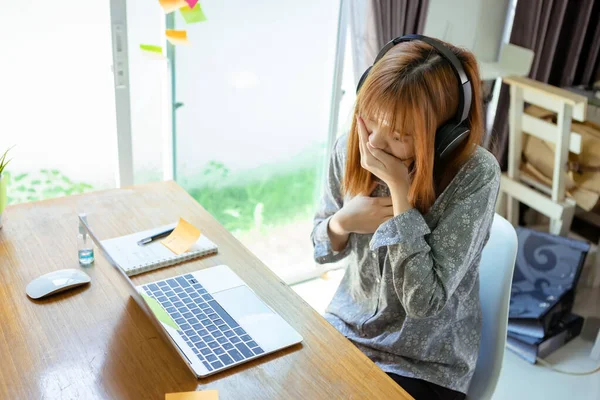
{"type": "Point", "coordinates": [56, 282]}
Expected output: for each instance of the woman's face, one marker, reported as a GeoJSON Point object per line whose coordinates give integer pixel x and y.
{"type": "Point", "coordinates": [399, 146]}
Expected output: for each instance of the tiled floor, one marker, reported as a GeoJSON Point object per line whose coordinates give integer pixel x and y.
{"type": "Point", "coordinates": [518, 379]}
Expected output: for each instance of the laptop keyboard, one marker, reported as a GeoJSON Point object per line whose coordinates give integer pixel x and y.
{"type": "Point", "coordinates": [206, 327]}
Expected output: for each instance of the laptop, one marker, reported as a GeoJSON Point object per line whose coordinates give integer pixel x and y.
{"type": "Point", "coordinates": [215, 321]}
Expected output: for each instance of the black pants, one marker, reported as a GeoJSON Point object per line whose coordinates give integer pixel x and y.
{"type": "Point", "coordinates": [423, 390]}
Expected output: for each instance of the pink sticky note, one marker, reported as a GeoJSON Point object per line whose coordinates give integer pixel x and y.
{"type": "Point", "coordinates": [191, 3]}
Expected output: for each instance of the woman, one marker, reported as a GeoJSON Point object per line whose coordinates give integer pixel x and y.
{"type": "Point", "coordinates": [410, 219]}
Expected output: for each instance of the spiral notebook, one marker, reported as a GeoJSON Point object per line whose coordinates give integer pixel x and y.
{"type": "Point", "coordinates": [134, 259]}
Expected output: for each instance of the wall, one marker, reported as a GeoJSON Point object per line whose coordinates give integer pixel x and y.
{"type": "Point", "coordinates": [475, 24]}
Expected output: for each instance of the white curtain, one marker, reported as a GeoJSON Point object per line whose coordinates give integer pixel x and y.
{"type": "Point", "coordinates": [363, 36]}
{"type": "Point", "coordinates": [375, 22]}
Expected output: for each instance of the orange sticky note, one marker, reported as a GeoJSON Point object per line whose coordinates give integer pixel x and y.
{"type": "Point", "coordinates": [171, 5]}
{"type": "Point", "coordinates": [182, 238]}
{"type": "Point", "coordinates": [202, 395]}
{"type": "Point", "coordinates": [177, 37]}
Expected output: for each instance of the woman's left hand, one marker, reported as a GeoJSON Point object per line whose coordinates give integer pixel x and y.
{"type": "Point", "coordinates": [388, 168]}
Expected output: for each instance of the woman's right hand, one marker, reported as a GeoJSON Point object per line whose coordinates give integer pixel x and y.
{"type": "Point", "coordinates": [362, 214]}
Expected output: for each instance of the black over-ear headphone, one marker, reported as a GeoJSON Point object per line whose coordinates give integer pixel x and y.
{"type": "Point", "coordinates": [450, 135]}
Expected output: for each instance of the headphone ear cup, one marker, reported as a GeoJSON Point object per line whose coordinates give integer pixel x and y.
{"type": "Point", "coordinates": [363, 78]}
{"type": "Point", "coordinates": [448, 137]}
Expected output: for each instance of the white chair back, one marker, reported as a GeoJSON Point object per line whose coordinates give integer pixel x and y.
{"type": "Point", "coordinates": [495, 277]}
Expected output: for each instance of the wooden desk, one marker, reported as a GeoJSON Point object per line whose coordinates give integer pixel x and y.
{"type": "Point", "coordinates": [96, 342]}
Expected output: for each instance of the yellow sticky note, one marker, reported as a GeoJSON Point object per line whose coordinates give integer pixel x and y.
{"type": "Point", "coordinates": [177, 37]}
{"type": "Point", "coordinates": [160, 312]}
{"type": "Point", "coordinates": [202, 395]}
{"type": "Point", "coordinates": [182, 238]}
{"type": "Point", "coordinates": [171, 5]}
{"type": "Point", "coordinates": [192, 15]}
{"type": "Point", "coordinates": [152, 51]}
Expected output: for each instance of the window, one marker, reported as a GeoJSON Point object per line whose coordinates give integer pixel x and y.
{"type": "Point", "coordinates": [256, 89]}
{"type": "Point", "coordinates": [57, 100]}
{"type": "Point", "coordinates": [250, 136]}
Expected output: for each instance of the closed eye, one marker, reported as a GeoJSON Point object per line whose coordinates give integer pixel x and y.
{"type": "Point", "coordinates": [401, 138]}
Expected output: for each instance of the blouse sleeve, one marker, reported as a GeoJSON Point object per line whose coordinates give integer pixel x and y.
{"type": "Point", "coordinates": [427, 266]}
{"type": "Point", "coordinates": [331, 202]}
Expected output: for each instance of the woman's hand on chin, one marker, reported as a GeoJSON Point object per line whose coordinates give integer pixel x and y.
{"type": "Point", "coordinates": [392, 170]}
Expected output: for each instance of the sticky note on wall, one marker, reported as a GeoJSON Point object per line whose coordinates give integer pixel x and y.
{"type": "Point", "coordinates": [171, 5]}
{"type": "Point", "coordinates": [152, 51]}
{"type": "Point", "coordinates": [192, 15]}
{"type": "Point", "coordinates": [177, 37]}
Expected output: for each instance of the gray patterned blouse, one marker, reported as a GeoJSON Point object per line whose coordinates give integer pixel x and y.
{"type": "Point", "coordinates": [410, 296]}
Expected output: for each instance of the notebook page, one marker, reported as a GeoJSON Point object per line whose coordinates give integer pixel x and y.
{"type": "Point", "coordinates": [128, 255]}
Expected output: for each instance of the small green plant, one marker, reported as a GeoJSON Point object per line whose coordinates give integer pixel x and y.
{"type": "Point", "coordinates": [42, 185]}
{"type": "Point", "coordinates": [3, 162]}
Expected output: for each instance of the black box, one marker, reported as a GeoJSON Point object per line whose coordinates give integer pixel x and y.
{"type": "Point", "coordinates": [543, 288]}
{"type": "Point", "coordinates": [530, 348]}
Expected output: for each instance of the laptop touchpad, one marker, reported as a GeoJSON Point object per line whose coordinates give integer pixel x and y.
{"type": "Point", "coordinates": [266, 327]}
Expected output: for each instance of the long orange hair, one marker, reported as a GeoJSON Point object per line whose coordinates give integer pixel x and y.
{"type": "Point", "coordinates": [414, 91]}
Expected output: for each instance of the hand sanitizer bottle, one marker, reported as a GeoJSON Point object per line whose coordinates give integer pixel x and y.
{"type": "Point", "coordinates": [85, 246]}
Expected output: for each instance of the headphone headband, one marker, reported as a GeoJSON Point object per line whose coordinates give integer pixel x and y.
{"type": "Point", "coordinates": [465, 89]}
